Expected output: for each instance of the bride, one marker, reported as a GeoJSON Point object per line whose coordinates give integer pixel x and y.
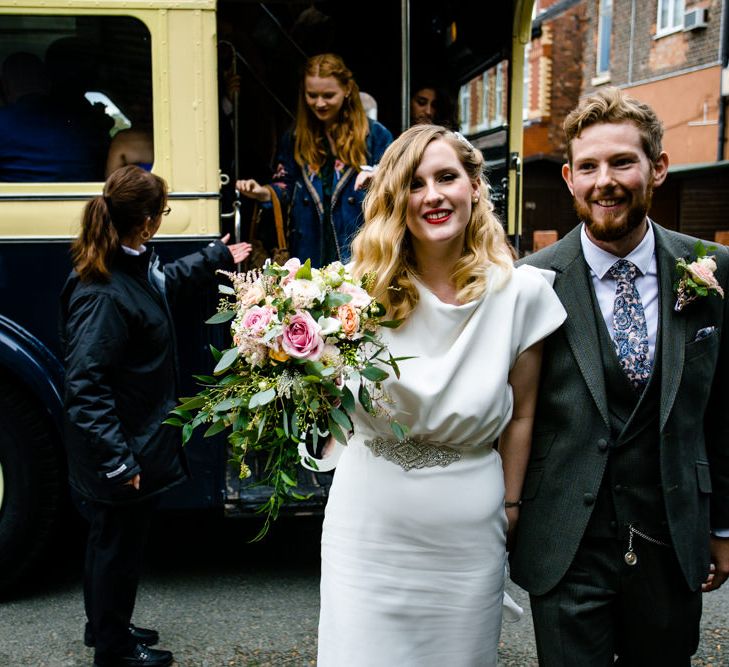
{"type": "Point", "coordinates": [415, 531]}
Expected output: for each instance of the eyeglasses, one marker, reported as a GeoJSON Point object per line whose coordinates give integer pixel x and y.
{"type": "Point", "coordinates": [166, 211]}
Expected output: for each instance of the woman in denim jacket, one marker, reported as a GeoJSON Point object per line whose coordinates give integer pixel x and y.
{"type": "Point", "coordinates": [325, 164]}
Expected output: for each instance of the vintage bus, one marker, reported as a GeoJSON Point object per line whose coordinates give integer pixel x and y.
{"type": "Point", "coordinates": [165, 71]}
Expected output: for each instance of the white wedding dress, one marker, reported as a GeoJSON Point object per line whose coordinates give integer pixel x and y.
{"type": "Point", "coordinates": [413, 544]}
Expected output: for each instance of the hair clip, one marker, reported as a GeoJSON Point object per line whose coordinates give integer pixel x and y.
{"type": "Point", "coordinates": [463, 140]}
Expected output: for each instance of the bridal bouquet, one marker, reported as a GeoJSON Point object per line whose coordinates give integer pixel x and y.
{"type": "Point", "coordinates": [297, 335]}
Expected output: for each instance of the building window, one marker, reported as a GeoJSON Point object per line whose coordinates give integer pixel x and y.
{"type": "Point", "coordinates": [604, 37]}
{"type": "Point", "coordinates": [499, 90]}
{"type": "Point", "coordinates": [670, 16]}
{"type": "Point", "coordinates": [464, 106]}
{"type": "Point", "coordinates": [486, 100]}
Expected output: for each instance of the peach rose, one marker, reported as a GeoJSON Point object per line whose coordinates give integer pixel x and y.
{"type": "Point", "coordinates": [349, 318]}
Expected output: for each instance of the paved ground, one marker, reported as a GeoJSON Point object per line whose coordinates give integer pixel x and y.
{"type": "Point", "coordinates": [221, 602]}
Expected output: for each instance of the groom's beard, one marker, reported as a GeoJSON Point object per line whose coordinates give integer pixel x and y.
{"type": "Point", "coordinates": [612, 227]}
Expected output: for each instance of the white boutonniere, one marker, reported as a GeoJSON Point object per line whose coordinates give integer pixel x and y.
{"type": "Point", "coordinates": [696, 279]}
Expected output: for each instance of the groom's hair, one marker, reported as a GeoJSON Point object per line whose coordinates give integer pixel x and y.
{"type": "Point", "coordinates": [612, 105]}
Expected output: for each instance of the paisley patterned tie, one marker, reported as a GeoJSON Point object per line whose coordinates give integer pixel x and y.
{"type": "Point", "coordinates": [630, 331]}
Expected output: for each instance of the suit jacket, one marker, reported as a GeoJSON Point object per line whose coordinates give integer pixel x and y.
{"type": "Point", "coordinates": [571, 431]}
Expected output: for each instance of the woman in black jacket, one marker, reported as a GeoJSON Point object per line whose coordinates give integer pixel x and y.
{"type": "Point", "coordinates": [121, 382]}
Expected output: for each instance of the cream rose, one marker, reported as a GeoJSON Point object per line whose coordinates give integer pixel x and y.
{"type": "Point", "coordinates": [303, 293]}
{"type": "Point", "coordinates": [253, 295]}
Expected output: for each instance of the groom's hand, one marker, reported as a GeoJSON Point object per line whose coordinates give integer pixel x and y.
{"type": "Point", "coordinates": [719, 565]}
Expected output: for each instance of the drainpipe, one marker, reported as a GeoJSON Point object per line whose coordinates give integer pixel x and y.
{"type": "Point", "coordinates": [724, 90]}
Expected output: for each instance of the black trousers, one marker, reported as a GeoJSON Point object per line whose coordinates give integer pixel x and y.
{"type": "Point", "coordinates": [117, 539]}
{"type": "Point", "coordinates": [644, 614]}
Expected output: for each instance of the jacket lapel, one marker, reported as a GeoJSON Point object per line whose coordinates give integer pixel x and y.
{"type": "Point", "coordinates": [314, 186]}
{"type": "Point", "coordinates": [672, 324]}
{"type": "Point", "coordinates": [575, 292]}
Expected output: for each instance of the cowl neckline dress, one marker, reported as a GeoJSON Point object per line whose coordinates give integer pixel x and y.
{"type": "Point", "coordinates": [414, 536]}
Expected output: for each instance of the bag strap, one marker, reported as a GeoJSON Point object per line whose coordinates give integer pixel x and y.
{"type": "Point", "coordinates": [277, 217]}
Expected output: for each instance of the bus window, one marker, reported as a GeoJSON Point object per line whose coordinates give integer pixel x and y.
{"type": "Point", "coordinates": [70, 88]}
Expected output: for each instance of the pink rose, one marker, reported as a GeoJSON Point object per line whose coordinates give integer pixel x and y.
{"type": "Point", "coordinates": [292, 266]}
{"type": "Point", "coordinates": [301, 337]}
{"type": "Point", "coordinates": [257, 318]}
{"type": "Point", "coordinates": [702, 271]}
{"type": "Point", "coordinates": [360, 298]}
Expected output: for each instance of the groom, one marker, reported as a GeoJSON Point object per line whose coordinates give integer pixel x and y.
{"type": "Point", "coordinates": [625, 506]}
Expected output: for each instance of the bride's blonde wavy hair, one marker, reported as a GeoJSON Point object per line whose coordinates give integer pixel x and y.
{"type": "Point", "coordinates": [382, 246]}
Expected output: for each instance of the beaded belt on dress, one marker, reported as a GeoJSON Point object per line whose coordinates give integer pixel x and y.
{"type": "Point", "coordinates": [411, 453]}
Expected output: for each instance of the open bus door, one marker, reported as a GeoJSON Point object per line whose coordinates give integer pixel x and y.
{"type": "Point", "coordinates": [389, 46]}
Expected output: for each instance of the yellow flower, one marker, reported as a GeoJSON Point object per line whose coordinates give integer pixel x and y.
{"type": "Point", "coordinates": [277, 355]}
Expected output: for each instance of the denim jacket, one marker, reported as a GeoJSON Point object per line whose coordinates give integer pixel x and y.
{"type": "Point", "coordinates": [300, 192]}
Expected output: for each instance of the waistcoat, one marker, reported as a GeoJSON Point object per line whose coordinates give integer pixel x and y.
{"type": "Point", "coordinates": [630, 491]}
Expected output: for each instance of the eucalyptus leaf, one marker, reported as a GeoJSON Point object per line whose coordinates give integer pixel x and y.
{"type": "Point", "coordinates": [314, 436]}
{"type": "Point", "coordinates": [222, 316]}
{"type": "Point", "coordinates": [205, 379]}
{"type": "Point", "coordinates": [287, 480]}
{"type": "Point", "coordinates": [336, 299]}
{"type": "Point", "coordinates": [215, 427]}
{"type": "Point", "coordinates": [337, 432]}
{"type": "Point", "coordinates": [347, 399]}
{"type": "Point", "coordinates": [262, 398]}
{"type": "Point", "coordinates": [364, 398]}
{"type": "Point", "coordinates": [262, 425]}
{"type": "Point", "coordinates": [173, 421]}
{"type": "Point", "coordinates": [390, 324]}
{"type": "Point", "coordinates": [186, 433]}
{"type": "Point", "coordinates": [341, 418]}
{"type": "Point", "coordinates": [398, 429]}
{"type": "Point", "coordinates": [226, 361]}
{"type": "Point", "coordinates": [226, 289]}
{"type": "Point", "coordinates": [374, 374]}
{"type": "Point", "coordinates": [215, 352]}
{"type": "Point", "coordinates": [224, 405]}
{"type": "Point", "coordinates": [192, 403]}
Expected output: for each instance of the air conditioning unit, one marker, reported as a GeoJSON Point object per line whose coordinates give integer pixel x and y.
{"type": "Point", "coordinates": [693, 19]}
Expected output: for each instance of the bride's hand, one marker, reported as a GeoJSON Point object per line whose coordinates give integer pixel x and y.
{"type": "Point", "coordinates": [512, 516]}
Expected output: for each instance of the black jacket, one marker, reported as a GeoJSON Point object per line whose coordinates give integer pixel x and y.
{"type": "Point", "coordinates": [121, 373]}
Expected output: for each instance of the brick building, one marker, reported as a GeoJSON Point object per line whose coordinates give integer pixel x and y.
{"type": "Point", "coordinates": [553, 82]}
{"type": "Point", "coordinates": [672, 54]}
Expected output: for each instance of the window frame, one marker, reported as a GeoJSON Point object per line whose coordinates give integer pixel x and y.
{"type": "Point", "coordinates": [672, 25]}
{"type": "Point", "coordinates": [602, 69]}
